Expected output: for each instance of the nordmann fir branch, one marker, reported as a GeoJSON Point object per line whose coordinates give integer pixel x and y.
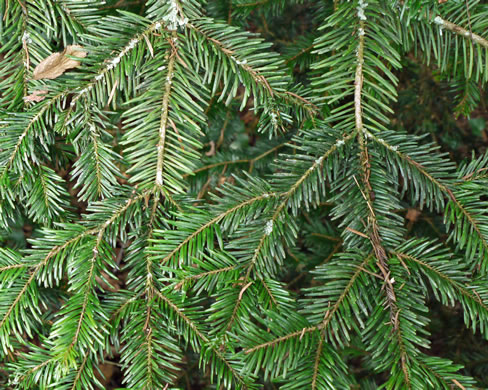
{"type": "Point", "coordinates": [24, 134]}
{"type": "Point", "coordinates": [165, 111]}
{"type": "Point", "coordinates": [25, 46]}
{"type": "Point", "coordinates": [86, 293]}
{"type": "Point", "coordinates": [461, 31]}
{"type": "Point", "coordinates": [80, 370]}
{"type": "Point", "coordinates": [373, 227]}
{"type": "Point", "coordinates": [251, 161]}
{"type": "Point", "coordinates": [94, 135]}
{"type": "Point", "coordinates": [449, 194]}
{"type": "Point", "coordinates": [80, 92]}
{"type": "Point", "coordinates": [221, 56]}
{"type": "Point", "coordinates": [203, 274]}
{"type": "Point", "coordinates": [150, 290]}
{"type": "Point", "coordinates": [110, 65]}
{"type": "Point", "coordinates": [204, 339]}
{"type": "Point", "coordinates": [256, 76]}
{"type": "Point", "coordinates": [20, 379]}
{"type": "Point", "coordinates": [175, 18]}
{"type": "Point", "coordinates": [213, 221]}
{"type": "Point", "coordinates": [269, 225]}
{"type": "Point", "coordinates": [57, 249]}
{"type": "Point", "coordinates": [467, 291]}
{"type": "Point", "coordinates": [328, 316]}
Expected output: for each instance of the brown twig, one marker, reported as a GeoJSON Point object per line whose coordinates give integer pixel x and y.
{"type": "Point", "coordinates": [461, 31]}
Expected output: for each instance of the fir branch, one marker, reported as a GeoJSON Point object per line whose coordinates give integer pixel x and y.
{"type": "Point", "coordinates": [213, 221]}
{"type": "Point", "coordinates": [33, 275]}
{"type": "Point", "coordinates": [317, 361]}
{"type": "Point", "coordinates": [329, 315]}
{"type": "Point", "coordinates": [204, 274]}
{"type": "Point", "coordinates": [35, 369]}
{"type": "Point", "coordinates": [298, 333]}
{"type": "Point", "coordinates": [302, 52]}
{"type": "Point", "coordinates": [12, 156]}
{"type": "Point", "coordinates": [251, 161]}
{"type": "Point", "coordinates": [271, 85]}
{"type": "Point", "coordinates": [461, 31]}
{"type": "Point", "coordinates": [448, 285]}
{"type": "Point", "coordinates": [229, 53]}
{"type": "Point", "coordinates": [25, 47]}
{"type": "Point", "coordinates": [464, 291]}
{"type": "Point", "coordinates": [444, 187]}
{"type": "Point", "coordinates": [59, 249]}
{"type": "Point", "coordinates": [149, 296]}
{"type": "Point", "coordinates": [114, 61]}
{"type": "Point", "coordinates": [327, 318]}
{"type": "Point", "coordinates": [300, 101]}
{"type": "Point", "coordinates": [203, 339]}
{"type": "Point", "coordinates": [373, 234]}
{"type": "Point", "coordinates": [269, 292]}
{"type": "Point", "coordinates": [150, 358]}
{"type": "Point", "coordinates": [164, 113]}
{"type": "Point", "coordinates": [95, 170]}
{"type": "Point", "coordinates": [12, 266]}
{"type": "Point", "coordinates": [98, 170]}
{"type": "Point", "coordinates": [358, 82]}
{"type": "Point", "coordinates": [373, 227]}
{"type": "Point", "coordinates": [80, 92]}
{"type": "Point", "coordinates": [88, 289]}
{"type": "Point", "coordinates": [317, 164]}
{"type": "Point", "coordinates": [79, 371]}
{"type": "Point", "coordinates": [125, 304]}
{"type": "Point", "coordinates": [105, 170]}
{"type": "Point", "coordinates": [109, 65]}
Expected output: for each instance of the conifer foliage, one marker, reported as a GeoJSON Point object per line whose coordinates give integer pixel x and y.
{"type": "Point", "coordinates": [198, 205]}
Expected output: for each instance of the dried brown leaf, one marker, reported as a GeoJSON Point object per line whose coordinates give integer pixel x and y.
{"type": "Point", "coordinates": [211, 152]}
{"type": "Point", "coordinates": [58, 63]}
{"type": "Point", "coordinates": [36, 96]}
{"type": "Point", "coordinates": [413, 215]}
